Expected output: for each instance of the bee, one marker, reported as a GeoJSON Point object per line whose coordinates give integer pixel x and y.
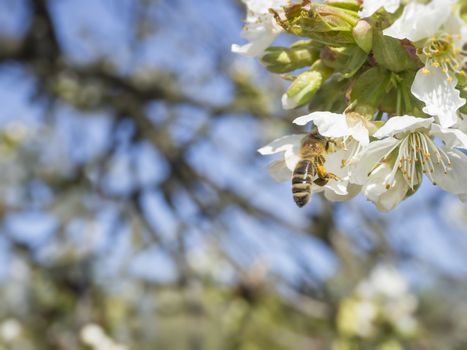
{"type": "Point", "coordinates": [310, 169]}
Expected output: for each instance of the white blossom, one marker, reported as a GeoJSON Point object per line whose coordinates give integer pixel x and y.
{"type": "Point", "coordinates": [260, 27]}
{"type": "Point", "coordinates": [444, 34]}
{"type": "Point", "coordinates": [420, 21]}
{"type": "Point", "coordinates": [389, 291]}
{"type": "Point", "coordinates": [10, 329]}
{"type": "Point", "coordinates": [384, 280]}
{"type": "Point", "coordinates": [338, 125]}
{"type": "Point", "coordinates": [389, 167]}
{"type": "Point", "coordinates": [94, 336]}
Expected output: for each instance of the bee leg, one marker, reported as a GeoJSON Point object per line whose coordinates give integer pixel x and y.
{"type": "Point", "coordinates": [323, 174]}
{"type": "Point", "coordinates": [321, 181]}
{"type": "Point", "coordinates": [331, 176]}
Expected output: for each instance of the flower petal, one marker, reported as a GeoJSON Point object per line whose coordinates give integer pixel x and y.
{"type": "Point", "coordinates": [260, 37]}
{"type": "Point", "coordinates": [369, 7]}
{"type": "Point", "coordinates": [319, 116]}
{"type": "Point", "coordinates": [454, 180]}
{"type": "Point", "coordinates": [360, 133]}
{"type": "Point", "coordinates": [439, 94]}
{"type": "Point", "coordinates": [376, 190]}
{"type": "Point", "coordinates": [292, 157]}
{"type": "Point", "coordinates": [279, 171]}
{"type": "Point", "coordinates": [336, 125]}
{"type": "Point", "coordinates": [369, 158]}
{"type": "Point", "coordinates": [420, 21]}
{"type": "Point", "coordinates": [261, 28]}
{"type": "Point", "coordinates": [290, 145]}
{"type": "Point", "coordinates": [335, 162]}
{"type": "Point", "coordinates": [451, 137]}
{"type": "Point", "coordinates": [282, 144]}
{"type": "Point", "coordinates": [337, 187]}
{"type": "Point", "coordinates": [352, 191]}
{"type": "Point", "coordinates": [263, 6]}
{"type": "Point", "coordinates": [406, 123]}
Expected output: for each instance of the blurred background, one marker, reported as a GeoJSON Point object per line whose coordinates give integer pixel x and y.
{"type": "Point", "coordinates": [137, 214]}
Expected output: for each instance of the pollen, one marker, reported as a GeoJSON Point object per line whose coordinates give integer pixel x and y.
{"type": "Point", "coordinates": [442, 52]}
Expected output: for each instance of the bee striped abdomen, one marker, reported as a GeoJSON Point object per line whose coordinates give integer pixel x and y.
{"type": "Point", "coordinates": [301, 182]}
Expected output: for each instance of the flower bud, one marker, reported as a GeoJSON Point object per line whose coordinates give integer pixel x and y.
{"type": "Point", "coordinates": [283, 60]}
{"type": "Point", "coordinates": [325, 24]}
{"type": "Point", "coordinates": [345, 4]}
{"type": "Point", "coordinates": [463, 11]}
{"type": "Point", "coordinates": [305, 86]}
{"type": "Point", "coordinates": [363, 35]}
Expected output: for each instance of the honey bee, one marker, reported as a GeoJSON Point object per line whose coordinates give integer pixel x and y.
{"type": "Point", "coordinates": [310, 169]}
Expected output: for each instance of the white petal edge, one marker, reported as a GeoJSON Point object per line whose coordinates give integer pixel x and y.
{"type": "Point", "coordinates": [329, 124]}
{"type": "Point", "coordinates": [361, 133]}
{"type": "Point", "coordinates": [420, 21]}
{"type": "Point", "coordinates": [369, 7]}
{"type": "Point", "coordinates": [281, 144]}
{"type": "Point", "coordinates": [279, 171]}
{"type": "Point", "coordinates": [352, 191]}
{"type": "Point", "coordinates": [454, 180]}
{"type": "Point", "coordinates": [451, 137]}
{"type": "Point", "coordinates": [260, 38]}
{"type": "Point", "coordinates": [441, 98]}
{"type": "Point", "coordinates": [369, 158]}
{"type": "Point", "coordinates": [402, 124]}
{"type": "Point", "coordinates": [376, 191]}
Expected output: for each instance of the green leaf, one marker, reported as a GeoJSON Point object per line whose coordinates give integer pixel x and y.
{"type": "Point", "coordinates": [371, 86]}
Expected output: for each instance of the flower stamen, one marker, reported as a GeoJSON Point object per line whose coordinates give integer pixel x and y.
{"type": "Point", "coordinates": [418, 152]}
{"type": "Point", "coordinates": [442, 52]}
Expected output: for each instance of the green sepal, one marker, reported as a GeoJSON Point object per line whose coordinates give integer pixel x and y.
{"type": "Point", "coordinates": [346, 61]}
{"type": "Point", "coordinates": [330, 97]}
{"type": "Point", "coordinates": [391, 54]}
{"type": "Point", "coordinates": [463, 94]}
{"type": "Point", "coordinates": [363, 35]}
{"type": "Point", "coordinates": [401, 100]}
{"type": "Point", "coordinates": [371, 86]}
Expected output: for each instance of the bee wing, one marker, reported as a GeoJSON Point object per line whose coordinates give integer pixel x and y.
{"type": "Point", "coordinates": [279, 171]}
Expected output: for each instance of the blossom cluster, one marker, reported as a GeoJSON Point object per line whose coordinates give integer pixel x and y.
{"type": "Point", "coordinates": [384, 81]}
{"type": "Point", "coordinates": [380, 311]}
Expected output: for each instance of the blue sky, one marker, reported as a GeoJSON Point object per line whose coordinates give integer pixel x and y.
{"type": "Point", "coordinates": [190, 41]}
